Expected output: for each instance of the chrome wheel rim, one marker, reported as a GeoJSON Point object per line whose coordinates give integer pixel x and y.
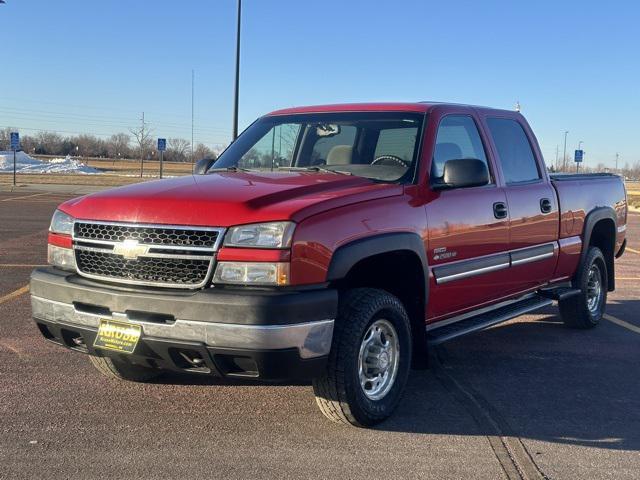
{"type": "Point", "coordinates": [594, 289]}
{"type": "Point", "coordinates": [378, 360]}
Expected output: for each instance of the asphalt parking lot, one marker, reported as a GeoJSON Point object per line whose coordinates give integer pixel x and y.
{"type": "Point", "coordinates": [528, 398]}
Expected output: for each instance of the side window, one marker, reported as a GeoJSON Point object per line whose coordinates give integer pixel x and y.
{"type": "Point", "coordinates": [516, 156]}
{"type": "Point", "coordinates": [274, 148]}
{"type": "Point", "coordinates": [457, 138]}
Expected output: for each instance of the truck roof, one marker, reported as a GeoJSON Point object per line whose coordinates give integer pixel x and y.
{"type": "Point", "coordinates": [419, 107]}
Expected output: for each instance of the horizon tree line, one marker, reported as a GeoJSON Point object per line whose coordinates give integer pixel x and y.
{"type": "Point", "coordinates": [117, 146]}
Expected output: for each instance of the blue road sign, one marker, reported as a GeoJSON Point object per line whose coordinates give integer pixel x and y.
{"type": "Point", "coordinates": [15, 141]}
{"type": "Point", "coordinates": [162, 144]}
{"type": "Point", "coordinates": [578, 156]}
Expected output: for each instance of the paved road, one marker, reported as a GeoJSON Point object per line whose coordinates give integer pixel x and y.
{"type": "Point", "coordinates": [527, 396]}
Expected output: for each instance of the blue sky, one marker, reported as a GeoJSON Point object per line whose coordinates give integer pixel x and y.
{"type": "Point", "coordinates": [88, 66]}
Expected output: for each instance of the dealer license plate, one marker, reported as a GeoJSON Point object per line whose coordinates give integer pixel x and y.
{"type": "Point", "coordinates": [119, 336]}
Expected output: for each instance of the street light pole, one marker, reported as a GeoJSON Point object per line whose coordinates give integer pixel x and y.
{"type": "Point", "coordinates": [192, 90]}
{"type": "Point", "coordinates": [564, 156]}
{"type": "Point", "coordinates": [237, 82]}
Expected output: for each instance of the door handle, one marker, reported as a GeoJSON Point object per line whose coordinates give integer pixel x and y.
{"type": "Point", "coordinates": [500, 210]}
{"type": "Point", "coordinates": [545, 205]}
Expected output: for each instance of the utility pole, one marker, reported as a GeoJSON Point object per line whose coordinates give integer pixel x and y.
{"type": "Point", "coordinates": [192, 90]}
{"type": "Point", "coordinates": [142, 147]}
{"type": "Point", "coordinates": [564, 156]}
{"type": "Point", "coordinates": [617, 156]}
{"type": "Point", "coordinates": [557, 155]}
{"type": "Point", "coordinates": [237, 82]}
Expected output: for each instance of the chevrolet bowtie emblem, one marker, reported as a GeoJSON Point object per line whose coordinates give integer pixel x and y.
{"type": "Point", "coordinates": [130, 249]}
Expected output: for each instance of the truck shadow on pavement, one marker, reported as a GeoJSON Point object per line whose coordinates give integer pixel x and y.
{"type": "Point", "coordinates": [529, 378]}
{"type": "Point", "coordinates": [533, 379]}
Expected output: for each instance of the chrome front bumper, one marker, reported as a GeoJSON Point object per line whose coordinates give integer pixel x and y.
{"type": "Point", "coordinates": [251, 322]}
{"type": "Point", "coordinates": [312, 339]}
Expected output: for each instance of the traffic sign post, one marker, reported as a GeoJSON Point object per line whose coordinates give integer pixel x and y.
{"type": "Point", "coordinates": [15, 146]}
{"type": "Point", "coordinates": [162, 146]}
{"type": "Point", "coordinates": [577, 157]}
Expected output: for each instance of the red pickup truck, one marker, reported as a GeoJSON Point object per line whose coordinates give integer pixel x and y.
{"type": "Point", "coordinates": [331, 243]}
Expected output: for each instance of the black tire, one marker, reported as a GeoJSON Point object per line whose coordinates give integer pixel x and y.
{"type": "Point", "coordinates": [123, 370]}
{"type": "Point", "coordinates": [338, 392]}
{"type": "Point", "coordinates": [577, 311]}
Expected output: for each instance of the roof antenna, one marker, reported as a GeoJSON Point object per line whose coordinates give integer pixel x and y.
{"type": "Point", "coordinates": [517, 106]}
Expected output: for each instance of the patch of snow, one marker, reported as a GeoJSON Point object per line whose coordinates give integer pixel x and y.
{"type": "Point", "coordinates": [28, 164]}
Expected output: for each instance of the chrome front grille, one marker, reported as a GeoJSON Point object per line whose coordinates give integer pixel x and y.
{"type": "Point", "coordinates": [160, 235]}
{"type": "Point", "coordinates": [154, 255]}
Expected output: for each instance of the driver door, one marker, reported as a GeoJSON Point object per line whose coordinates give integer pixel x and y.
{"type": "Point", "coordinates": [468, 227]}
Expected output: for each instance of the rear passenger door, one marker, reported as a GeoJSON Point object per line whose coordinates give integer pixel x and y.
{"type": "Point", "coordinates": [468, 227]}
{"type": "Point", "coordinates": [531, 200]}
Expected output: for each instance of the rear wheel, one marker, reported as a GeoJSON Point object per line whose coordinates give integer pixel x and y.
{"type": "Point", "coordinates": [369, 361]}
{"type": "Point", "coordinates": [586, 309]}
{"type": "Point", "coordinates": [124, 370]}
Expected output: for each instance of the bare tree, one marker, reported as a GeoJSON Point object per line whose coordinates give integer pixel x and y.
{"type": "Point", "coordinates": [90, 146]}
{"type": "Point", "coordinates": [178, 149]}
{"type": "Point", "coordinates": [48, 143]}
{"type": "Point", "coordinates": [142, 135]}
{"type": "Point", "coordinates": [5, 138]}
{"type": "Point", "coordinates": [118, 145]}
{"type": "Point", "coordinates": [202, 151]}
{"type": "Point", "coordinates": [27, 143]}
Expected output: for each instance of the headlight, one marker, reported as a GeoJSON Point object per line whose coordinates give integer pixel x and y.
{"type": "Point", "coordinates": [252, 273]}
{"type": "Point", "coordinates": [260, 235]}
{"type": "Point", "coordinates": [61, 223]}
{"type": "Point", "coordinates": [59, 253]}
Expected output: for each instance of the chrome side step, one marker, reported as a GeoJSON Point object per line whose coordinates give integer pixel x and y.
{"type": "Point", "coordinates": [437, 335]}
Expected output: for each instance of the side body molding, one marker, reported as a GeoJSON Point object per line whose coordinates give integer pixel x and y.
{"type": "Point", "coordinates": [479, 266]}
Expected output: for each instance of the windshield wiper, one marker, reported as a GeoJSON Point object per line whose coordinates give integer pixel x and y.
{"type": "Point", "coordinates": [230, 169]}
{"type": "Point", "coordinates": [315, 168]}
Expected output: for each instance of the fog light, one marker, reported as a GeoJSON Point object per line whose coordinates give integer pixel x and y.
{"type": "Point", "coordinates": [61, 257]}
{"type": "Point", "coordinates": [252, 273]}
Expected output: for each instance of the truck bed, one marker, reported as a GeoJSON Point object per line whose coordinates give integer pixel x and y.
{"type": "Point", "coordinates": [580, 194]}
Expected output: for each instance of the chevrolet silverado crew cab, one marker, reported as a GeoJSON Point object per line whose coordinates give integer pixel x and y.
{"type": "Point", "coordinates": [334, 244]}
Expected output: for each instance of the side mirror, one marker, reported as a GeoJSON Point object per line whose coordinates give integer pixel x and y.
{"type": "Point", "coordinates": [463, 173]}
{"type": "Point", "coordinates": [202, 166]}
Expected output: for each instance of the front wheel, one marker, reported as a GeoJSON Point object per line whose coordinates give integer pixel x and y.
{"type": "Point", "coordinates": [586, 309]}
{"type": "Point", "coordinates": [369, 361]}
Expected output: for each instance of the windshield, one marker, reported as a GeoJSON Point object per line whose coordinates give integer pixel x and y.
{"type": "Point", "coordinates": [378, 145]}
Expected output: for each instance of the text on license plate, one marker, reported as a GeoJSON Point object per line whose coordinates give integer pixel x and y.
{"type": "Point", "coordinates": [119, 336]}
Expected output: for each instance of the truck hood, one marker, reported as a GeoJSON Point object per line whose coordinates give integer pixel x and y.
{"type": "Point", "coordinates": [228, 198]}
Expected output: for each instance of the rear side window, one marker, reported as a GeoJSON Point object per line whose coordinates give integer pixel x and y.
{"type": "Point", "coordinates": [516, 156]}
{"type": "Point", "coordinates": [457, 138]}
